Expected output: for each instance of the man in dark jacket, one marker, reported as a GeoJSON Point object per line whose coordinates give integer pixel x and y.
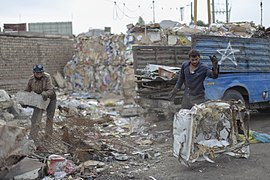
{"type": "Point", "coordinates": [41, 83]}
{"type": "Point", "coordinates": [192, 75]}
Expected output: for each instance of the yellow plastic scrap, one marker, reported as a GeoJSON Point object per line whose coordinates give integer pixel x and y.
{"type": "Point", "coordinates": [184, 40]}
{"type": "Point", "coordinates": [252, 140]}
{"type": "Point", "coordinates": [110, 102]}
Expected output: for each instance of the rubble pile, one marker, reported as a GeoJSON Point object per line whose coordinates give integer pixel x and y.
{"type": "Point", "coordinates": [14, 142]}
{"type": "Point", "coordinates": [92, 138]}
{"type": "Point", "coordinates": [180, 34]}
{"type": "Point", "coordinates": [261, 32]}
{"type": "Point", "coordinates": [104, 138]}
{"type": "Point", "coordinates": [151, 34]}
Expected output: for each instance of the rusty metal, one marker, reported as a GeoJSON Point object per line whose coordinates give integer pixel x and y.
{"type": "Point", "coordinates": [161, 55]}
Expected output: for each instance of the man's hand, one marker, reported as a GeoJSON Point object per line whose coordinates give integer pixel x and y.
{"type": "Point", "coordinates": [214, 61]}
{"type": "Point", "coordinates": [44, 95]}
{"type": "Point", "coordinates": [172, 94]}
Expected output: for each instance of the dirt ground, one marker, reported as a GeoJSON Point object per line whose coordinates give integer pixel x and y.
{"type": "Point", "coordinates": [153, 139]}
{"type": "Point", "coordinates": [166, 166]}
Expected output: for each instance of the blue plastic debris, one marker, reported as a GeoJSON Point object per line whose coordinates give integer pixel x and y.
{"type": "Point", "coordinates": [262, 137]}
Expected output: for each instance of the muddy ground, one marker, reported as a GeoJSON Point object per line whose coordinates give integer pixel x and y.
{"type": "Point", "coordinates": [166, 166]}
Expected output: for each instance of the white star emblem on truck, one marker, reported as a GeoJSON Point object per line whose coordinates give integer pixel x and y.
{"type": "Point", "coordinates": [228, 53]}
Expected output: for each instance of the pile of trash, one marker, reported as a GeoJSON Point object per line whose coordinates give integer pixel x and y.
{"type": "Point", "coordinates": [100, 62]}
{"type": "Point", "coordinates": [211, 129]}
{"type": "Point", "coordinates": [100, 65]}
{"type": "Point", "coordinates": [156, 81]}
{"type": "Point", "coordinates": [95, 137]}
{"type": "Point", "coordinates": [92, 137]}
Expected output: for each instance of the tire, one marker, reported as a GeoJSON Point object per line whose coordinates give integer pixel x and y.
{"type": "Point", "coordinates": [233, 95]}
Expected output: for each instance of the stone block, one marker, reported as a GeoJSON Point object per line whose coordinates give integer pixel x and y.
{"type": "Point", "coordinates": [31, 99]}
{"type": "Point", "coordinates": [5, 100]}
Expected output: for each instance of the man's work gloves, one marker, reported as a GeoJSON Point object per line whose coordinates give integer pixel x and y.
{"type": "Point", "coordinates": [214, 61]}
{"type": "Point", "coordinates": [24, 106]}
{"type": "Point", "coordinates": [45, 95]}
{"type": "Point", "coordinates": [172, 94]}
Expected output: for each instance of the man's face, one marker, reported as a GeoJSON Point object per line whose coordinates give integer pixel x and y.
{"type": "Point", "coordinates": [194, 60]}
{"type": "Point", "coordinates": [38, 75]}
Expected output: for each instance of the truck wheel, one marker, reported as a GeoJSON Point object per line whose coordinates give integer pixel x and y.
{"type": "Point", "coordinates": [233, 95]}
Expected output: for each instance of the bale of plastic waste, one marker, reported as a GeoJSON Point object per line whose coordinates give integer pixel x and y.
{"type": "Point", "coordinates": [211, 129]}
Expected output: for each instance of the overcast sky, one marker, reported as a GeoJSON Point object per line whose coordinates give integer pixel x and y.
{"type": "Point", "coordinates": [116, 14]}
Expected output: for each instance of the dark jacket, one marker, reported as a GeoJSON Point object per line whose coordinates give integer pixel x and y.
{"type": "Point", "coordinates": [194, 81]}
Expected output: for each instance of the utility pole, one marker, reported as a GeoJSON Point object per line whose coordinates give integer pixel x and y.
{"type": "Point", "coordinates": [191, 12]}
{"type": "Point", "coordinates": [261, 4]}
{"type": "Point", "coordinates": [153, 11]}
{"type": "Point", "coordinates": [195, 13]}
{"type": "Point", "coordinates": [209, 12]}
{"type": "Point", "coordinates": [227, 12]}
{"type": "Point", "coordinates": [213, 11]}
{"type": "Point", "coordinates": [181, 13]}
{"type": "Point", "coordinates": [191, 6]}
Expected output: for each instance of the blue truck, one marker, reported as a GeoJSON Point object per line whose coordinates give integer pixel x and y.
{"type": "Point", "coordinates": [244, 69]}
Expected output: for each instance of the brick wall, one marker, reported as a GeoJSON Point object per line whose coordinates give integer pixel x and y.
{"type": "Point", "coordinates": [18, 54]}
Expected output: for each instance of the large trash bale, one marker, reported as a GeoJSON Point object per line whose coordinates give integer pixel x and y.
{"type": "Point", "coordinates": [210, 129]}
{"type": "Point", "coordinates": [129, 85]}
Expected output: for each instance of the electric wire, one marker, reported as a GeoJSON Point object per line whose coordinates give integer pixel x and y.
{"type": "Point", "coordinates": [119, 13]}
{"type": "Point", "coordinates": [115, 12]}
{"type": "Point", "coordinates": [117, 9]}
{"type": "Point", "coordinates": [124, 14]}
{"type": "Point", "coordinates": [130, 10]}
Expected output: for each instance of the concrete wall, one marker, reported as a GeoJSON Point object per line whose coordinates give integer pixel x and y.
{"type": "Point", "coordinates": [18, 54]}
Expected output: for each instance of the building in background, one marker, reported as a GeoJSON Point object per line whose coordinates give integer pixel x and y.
{"type": "Point", "coordinates": [98, 32]}
{"type": "Point", "coordinates": [14, 27]}
{"type": "Point", "coordinates": [94, 32]}
{"type": "Point", "coordinates": [54, 28]}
